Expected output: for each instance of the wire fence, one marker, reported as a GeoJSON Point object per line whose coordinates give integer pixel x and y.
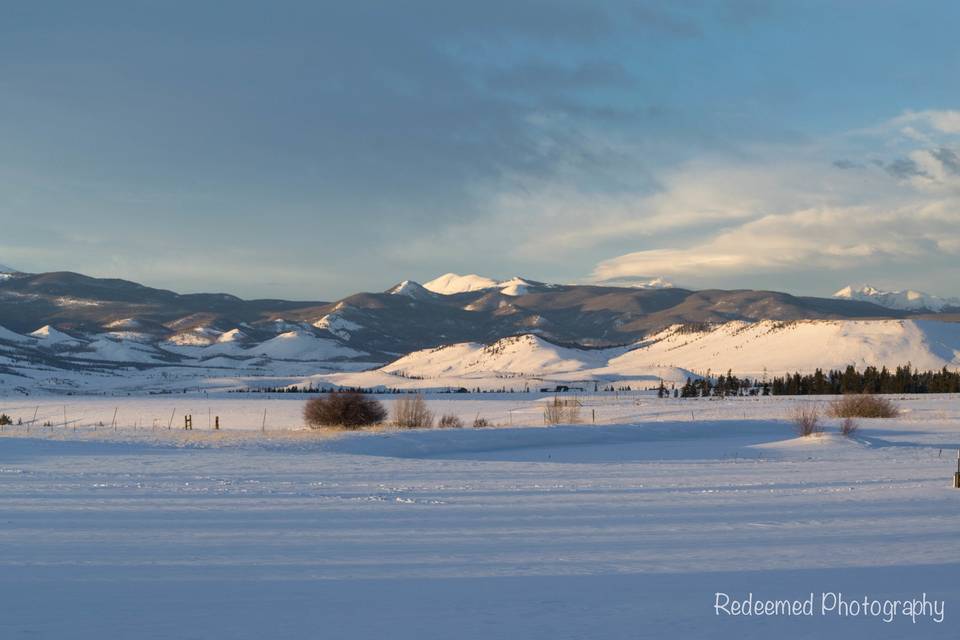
{"type": "Point", "coordinates": [84, 416]}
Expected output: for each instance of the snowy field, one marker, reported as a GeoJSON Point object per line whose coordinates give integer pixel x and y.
{"type": "Point", "coordinates": [626, 528]}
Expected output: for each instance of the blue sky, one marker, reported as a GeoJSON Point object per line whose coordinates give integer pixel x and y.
{"type": "Point", "coordinates": [310, 149]}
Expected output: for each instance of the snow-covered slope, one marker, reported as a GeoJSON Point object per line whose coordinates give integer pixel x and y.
{"type": "Point", "coordinates": [779, 347]}
{"type": "Point", "coordinates": [748, 349]}
{"type": "Point", "coordinates": [514, 363]}
{"type": "Point", "coordinates": [339, 326]}
{"type": "Point", "coordinates": [907, 300]}
{"type": "Point", "coordinates": [519, 355]}
{"type": "Point", "coordinates": [5, 269]}
{"type": "Point", "coordinates": [10, 336]}
{"type": "Point", "coordinates": [196, 337]}
{"type": "Point", "coordinates": [50, 360]}
{"type": "Point", "coordinates": [119, 348]}
{"type": "Point", "coordinates": [302, 345]}
{"type": "Point", "coordinates": [51, 336]}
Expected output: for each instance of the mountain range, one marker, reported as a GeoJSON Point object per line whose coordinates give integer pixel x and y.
{"type": "Point", "coordinates": [906, 300]}
{"type": "Point", "coordinates": [67, 322]}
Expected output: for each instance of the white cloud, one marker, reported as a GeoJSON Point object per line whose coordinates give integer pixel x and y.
{"type": "Point", "coordinates": [836, 238]}
{"type": "Point", "coordinates": [947, 121]}
{"type": "Point", "coordinates": [794, 211]}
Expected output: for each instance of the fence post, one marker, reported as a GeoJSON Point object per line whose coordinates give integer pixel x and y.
{"type": "Point", "coordinates": [956, 476]}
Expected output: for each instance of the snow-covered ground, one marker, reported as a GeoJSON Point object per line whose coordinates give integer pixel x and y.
{"type": "Point", "coordinates": [623, 529]}
{"type": "Point", "coordinates": [49, 361]}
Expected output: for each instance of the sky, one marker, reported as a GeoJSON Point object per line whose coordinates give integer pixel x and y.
{"type": "Point", "coordinates": [310, 150]}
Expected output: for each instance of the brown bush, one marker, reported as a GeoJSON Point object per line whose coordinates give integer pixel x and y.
{"type": "Point", "coordinates": [412, 412]}
{"type": "Point", "coordinates": [562, 411]}
{"type": "Point", "coordinates": [5, 419]}
{"type": "Point", "coordinates": [806, 421]}
{"type": "Point", "coordinates": [479, 423]}
{"type": "Point", "coordinates": [863, 406]}
{"type": "Point", "coordinates": [848, 427]}
{"type": "Point", "coordinates": [344, 409]}
{"type": "Point", "coordinates": [450, 421]}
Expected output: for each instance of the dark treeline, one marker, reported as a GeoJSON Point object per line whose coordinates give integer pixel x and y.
{"type": "Point", "coordinates": [903, 379]}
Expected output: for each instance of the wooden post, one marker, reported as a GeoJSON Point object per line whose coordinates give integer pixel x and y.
{"type": "Point", "coordinates": [216, 424]}
{"type": "Point", "coordinates": [113, 423]}
{"type": "Point", "coordinates": [956, 476]}
{"type": "Point", "coordinates": [172, 413]}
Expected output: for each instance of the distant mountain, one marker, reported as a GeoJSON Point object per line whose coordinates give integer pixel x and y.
{"type": "Point", "coordinates": [907, 300]}
{"type": "Point", "coordinates": [73, 301]}
{"type": "Point", "coordinates": [67, 322]}
{"type": "Point", "coordinates": [405, 318]}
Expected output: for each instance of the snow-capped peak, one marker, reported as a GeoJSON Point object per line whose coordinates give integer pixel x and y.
{"type": "Point", "coordinates": [654, 283]}
{"type": "Point", "coordinates": [906, 300]}
{"type": "Point", "coordinates": [451, 283]}
{"type": "Point", "coordinates": [410, 289]}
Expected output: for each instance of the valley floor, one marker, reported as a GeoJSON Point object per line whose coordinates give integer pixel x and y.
{"type": "Point", "coordinates": [623, 529]}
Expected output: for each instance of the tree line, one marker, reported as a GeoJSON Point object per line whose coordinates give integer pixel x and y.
{"type": "Point", "coordinates": [903, 379]}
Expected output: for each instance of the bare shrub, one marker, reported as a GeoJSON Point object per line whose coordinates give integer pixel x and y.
{"type": "Point", "coordinates": [479, 422]}
{"type": "Point", "coordinates": [863, 406]}
{"type": "Point", "coordinates": [411, 412]}
{"type": "Point", "coordinates": [849, 427]}
{"type": "Point", "coordinates": [562, 411]}
{"type": "Point", "coordinates": [806, 421]}
{"type": "Point", "coordinates": [344, 409]}
{"type": "Point", "coordinates": [450, 421]}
